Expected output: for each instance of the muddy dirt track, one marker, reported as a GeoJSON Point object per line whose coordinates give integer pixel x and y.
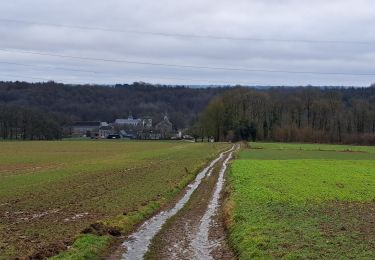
{"type": "Point", "coordinates": [192, 228]}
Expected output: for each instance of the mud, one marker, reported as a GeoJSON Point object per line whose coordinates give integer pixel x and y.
{"type": "Point", "coordinates": [203, 245]}
{"type": "Point", "coordinates": [197, 231]}
{"type": "Point", "coordinates": [192, 229]}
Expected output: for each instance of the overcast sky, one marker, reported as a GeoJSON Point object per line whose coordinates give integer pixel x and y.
{"type": "Point", "coordinates": [326, 37]}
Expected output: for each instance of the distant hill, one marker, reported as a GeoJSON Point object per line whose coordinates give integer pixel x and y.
{"type": "Point", "coordinates": [106, 103]}
{"type": "Point", "coordinates": [313, 114]}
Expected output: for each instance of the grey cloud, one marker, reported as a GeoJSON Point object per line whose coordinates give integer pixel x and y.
{"type": "Point", "coordinates": [336, 20]}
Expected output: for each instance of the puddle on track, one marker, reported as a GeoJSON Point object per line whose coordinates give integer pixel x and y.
{"type": "Point", "coordinates": [137, 243]}
{"type": "Point", "coordinates": [201, 244]}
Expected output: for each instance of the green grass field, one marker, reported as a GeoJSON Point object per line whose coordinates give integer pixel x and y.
{"type": "Point", "coordinates": [303, 201]}
{"type": "Point", "coordinates": [51, 191]}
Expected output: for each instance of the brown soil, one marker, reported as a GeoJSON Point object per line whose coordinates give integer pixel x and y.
{"type": "Point", "coordinates": [21, 228]}
{"type": "Point", "coordinates": [351, 218]}
{"type": "Point", "coordinates": [174, 240]}
{"type": "Point", "coordinates": [21, 168]}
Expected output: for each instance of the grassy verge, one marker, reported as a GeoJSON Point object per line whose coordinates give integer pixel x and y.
{"type": "Point", "coordinates": [52, 191]}
{"type": "Point", "coordinates": [86, 246]}
{"type": "Point", "coordinates": [297, 201]}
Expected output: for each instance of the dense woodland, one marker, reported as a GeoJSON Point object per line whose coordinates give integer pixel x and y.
{"type": "Point", "coordinates": [319, 115]}
{"type": "Point", "coordinates": [65, 104]}
{"type": "Point", "coordinates": [303, 114]}
{"type": "Point", "coordinates": [29, 124]}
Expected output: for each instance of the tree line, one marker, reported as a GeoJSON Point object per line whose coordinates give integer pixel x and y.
{"type": "Point", "coordinates": [318, 115]}
{"type": "Point", "coordinates": [42, 110]}
{"type": "Point", "coordinates": [107, 103]}
{"type": "Point", "coordinates": [300, 114]}
{"type": "Point", "coordinates": [17, 123]}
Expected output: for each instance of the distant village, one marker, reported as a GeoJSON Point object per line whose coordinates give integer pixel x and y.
{"type": "Point", "coordinates": [128, 128]}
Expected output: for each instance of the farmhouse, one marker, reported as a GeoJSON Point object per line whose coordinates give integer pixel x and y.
{"type": "Point", "coordinates": [130, 121]}
{"type": "Point", "coordinates": [105, 131]}
{"type": "Point", "coordinates": [145, 122]}
{"type": "Point", "coordinates": [87, 128]}
{"type": "Point", "coordinates": [129, 128]}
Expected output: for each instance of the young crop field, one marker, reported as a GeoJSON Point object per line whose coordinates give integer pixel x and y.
{"type": "Point", "coordinates": [52, 192]}
{"type": "Point", "coordinates": [303, 201]}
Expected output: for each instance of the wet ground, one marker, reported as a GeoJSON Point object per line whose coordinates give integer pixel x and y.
{"type": "Point", "coordinates": [192, 228]}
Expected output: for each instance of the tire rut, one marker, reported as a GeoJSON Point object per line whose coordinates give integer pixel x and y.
{"type": "Point", "coordinates": [191, 229]}
{"type": "Point", "coordinates": [197, 231]}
